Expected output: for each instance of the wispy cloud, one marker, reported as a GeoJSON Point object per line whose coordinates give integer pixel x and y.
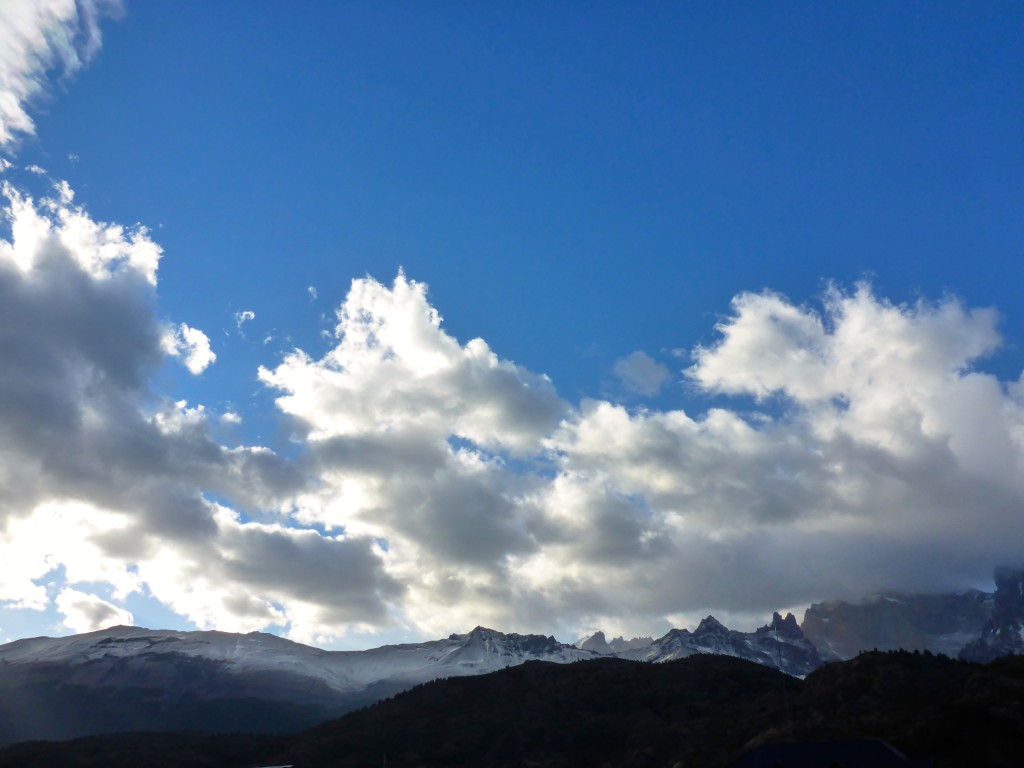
{"type": "Point", "coordinates": [41, 36]}
{"type": "Point", "coordinates": [243, 317]}
{"type": "Point", "coordinates": [640, 373]}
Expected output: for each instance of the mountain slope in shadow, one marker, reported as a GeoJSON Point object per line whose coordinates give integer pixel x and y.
{"type": "Point", "coordinates": [699, 711]}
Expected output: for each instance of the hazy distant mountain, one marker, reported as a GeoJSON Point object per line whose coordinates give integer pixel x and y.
{"type": "Point", "coordinates": [942, 623]}
{"type": "Point", "coordinates": [1003, 633]}
{"type": "Point", "coordinates": [598, 644]}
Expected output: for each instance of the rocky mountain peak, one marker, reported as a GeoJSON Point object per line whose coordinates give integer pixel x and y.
{"type": "Point", "coordinates": [620, 643]}
{"type": "Point", "coordinates": [783, 627]}
{"type": "Point", "coordinates": [710, 625]}
{"type": "Point", "coordinates": [599, 643]}
{"type": "Point", "coordinates": [595, 642]}
{"type": "Point", "coordinates": [511, 644]}
{"type": "Point", "coordinates": [1003, 634]}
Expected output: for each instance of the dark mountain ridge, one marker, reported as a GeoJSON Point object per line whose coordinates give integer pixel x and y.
{"type": "Point", "coordinates": [704, 710]}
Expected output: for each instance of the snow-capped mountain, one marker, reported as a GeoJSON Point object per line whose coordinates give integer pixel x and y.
{"type": "Point", "coordinates": [131, 678]}
{"type": "Point", "coordinates": [121, 656]}
{"type": "Point", "coordinates": [780, 645]}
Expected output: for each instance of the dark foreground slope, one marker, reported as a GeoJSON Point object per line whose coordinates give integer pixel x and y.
{"type": "Point", "coordinates": [185, 694]}
{"type": "Point", "coordinates": [603, 712]}
{"type": "Point", "coordinates": [951, 712]}
{"type": "Point", "coordinates": [698, 711]}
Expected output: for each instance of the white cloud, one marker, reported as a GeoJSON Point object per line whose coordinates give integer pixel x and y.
{"type": "Point", "coordinates": [661, 514]}
{"type": "Point", "coordinates": [408, 433]}
{"type": "Point", "coordinates": [56, 229]}
{"type": "Point", "coordinates": [40, 36]}
{"type": "Point", "coordinates": [640, 373]}
{"type": "Point", "coordinates": [84, 612]}
{"type": "Point", "coordinates": [57, 533]}
{"type": "Point", "coordinates": [190, 344]}
{"type": "Point", "coordinates": [886, 375]}
{"type": "Point", "coordinates": [436, 485]}
{"type": "Point", "coordinates": [103, 481]}
{"type": "Point", "coordinates": [889, 462]}
{"type": "Point", "coordinates": [311, 290]}
{"type": "Point", "coordinates": [395, 369]}
{"type": "Point", "coordinates": [244, 317]}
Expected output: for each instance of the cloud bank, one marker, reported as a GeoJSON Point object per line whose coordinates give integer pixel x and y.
{"type": "Point", "coordinates": [105, 482]}
{"type": "Point", "coordinates": [841, 448]}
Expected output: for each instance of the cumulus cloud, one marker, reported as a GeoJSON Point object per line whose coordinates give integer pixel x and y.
{"type": "Point", "coordinates": [883, 445]}
{"type": "Point", "coordinates": [191, 345]}
{"type": "Point", "coordinates": [887, 460]}
{"type": "Point", "coordinates": [435, 485]}
{"type": "Point", "coordinates": [41, 36]}
{"type": "Point", "coordinates": [640, 373]}
{"type": "Point", "coordinates": [102, 481]}
{"type": "Point", "coordinates": [394, 369]}
{"type": "Point", "coordinates": [410, 434]}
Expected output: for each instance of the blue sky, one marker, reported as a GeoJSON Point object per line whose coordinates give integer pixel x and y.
{"type": "Point", "coordinates": [587, 188]}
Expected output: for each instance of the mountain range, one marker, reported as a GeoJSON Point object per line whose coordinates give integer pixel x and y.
{"type": "Point", "coordinates": [132, 679]}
